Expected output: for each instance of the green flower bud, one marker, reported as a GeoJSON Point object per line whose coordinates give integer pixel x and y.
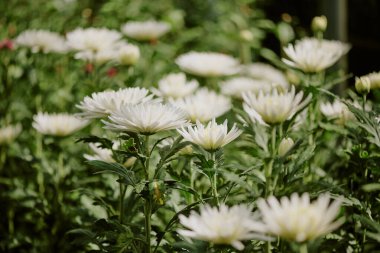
{"type": "Point", "coordinates": [319, 24]}
{"type": "Point", "coordinates": [362, 85]}
{"type": "Point", "coordinates": [285, 145]}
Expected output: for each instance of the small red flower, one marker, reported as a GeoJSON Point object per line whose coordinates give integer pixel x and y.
{"type": "Point", "coordinates": [112, 72]}
{"type": "Point", "coordinates": [6, 43]}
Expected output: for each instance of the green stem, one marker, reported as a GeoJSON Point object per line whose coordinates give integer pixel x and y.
{"type": "Point", "coordinates": [122, 189]}
{"type": "Point", "coordinates": [192, 179]}
{"type": "Point", "coordinates": [148, 204]}
{"type": "Point", "coordinates": [214, 180]}
{"type": "Point", "coordinates": [147, 154]}
{"type": "Point", "coordinates": [303, 248]}
{"type": "Point", "coordinates": [364, 101]}
{"type": "Point", "coordinates": [245, 53]}
{"type": "Point", "coordinates": [268, 247]}
{"type": "Point", "coordinates": [269, 166]}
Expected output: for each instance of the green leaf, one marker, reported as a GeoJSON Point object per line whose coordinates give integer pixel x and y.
{"type": "Point", "coordinates": [103, 142]}
{"type": "Point", "coordinates": [114, 168]}
{"type": "Point", "coordinates": [371, 187]}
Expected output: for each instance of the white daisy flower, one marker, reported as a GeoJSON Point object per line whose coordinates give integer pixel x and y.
{"type": "Point", "coordinates": [223, 225]}
{"type": "Point", "coordinates": [42, 41]}
{"type": "Point", "coordinates": [9, 133]}
{"type": "Point", "coordinates": [147, 30]}
{"type": "Point", "coordinates": [57, 124]}
{"type": "Point", "coordinates": [101, 154]}
{"type": "Point", "coordinates": [266, 72]}
{"type": "Point", "coordinates": [208, 64]}
{"type": "Point", "coordinates": [203, 105]}
{"type": "Point", "coordinates": [338, 111]}
{"type": "Point", "coordinates": [101, 104]}
{"type": "Point", "coordinates": [175, 86]}
{"type": "Point", "coordinates": [92, 39]}
{"type": "Point", "coordinates": [313, 55]}
{"type": "Point", "coordinates": [212, 136]}
{"type": "Point", "coordinates": [297, 219]}
{"type": "Point", "coordinates": [274, 107]}
{"type": "Point", "coordinates": [146, 118]}
{"type": "Point", "coordinates": [236, 86]}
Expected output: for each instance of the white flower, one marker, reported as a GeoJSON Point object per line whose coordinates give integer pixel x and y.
{"type": "Point", "coordinates": [203, 105]}
{"type": "Point", "coordinates": [128, 54]}
{"type": "Point", "coordinates": [101, 154]}
{"type": "Point", "coordinates": [238, 85]}
{"type": "Point", "coordinates": [212, 136]}
{"type": "Point", "coordinates": [146, 118]}
{"type": "Point", "coordinates": [92, 39]}
{"type": "Point", "coordinates": [42, 41]}
{"type": "Point", "coordinates": [338, 111]}
{"type": "Point", "coordinates": [274, 107]}
{"type": "Point", "coordinates": [208, 64]}
{"type": "Point", "coordinates": [297, 219]}
{"type": "Point", "coordinates": [57, 124]}
{"type": "Point", "coordinates": [226, 225]}
{"type": "Point", "coordinates": [9, 133]}
{"type": "Point", "coordinates": [168, 142]}
{"type": "Point", "coordinates": [374, 78]}
{"type": "Point", "coordinates": [314, 55]}
{"type": "Point", "coordinates": [175, 86]}
{"type": "Point", "coordinates": [101, 104]}
{"type": "Point", "coordinates": [147, 30]}
{"type": "Point", "coordinates": [266, 72]}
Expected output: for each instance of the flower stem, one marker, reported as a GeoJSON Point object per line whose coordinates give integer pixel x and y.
{"type": "Point", "coordinates": [147, 205]}
{"type": "Point", "coordinates": [269, 166]}
{"type": "Point", "coordinates": [147, 154]}
{"type": "Point", "coordinates": [214, 180]}
{"type": "Point", "coordinates": [303, 248]}
{"type": "Point", "coordinates": [364, 101]}
{"type": "Point", "coordinates": [123, 189]}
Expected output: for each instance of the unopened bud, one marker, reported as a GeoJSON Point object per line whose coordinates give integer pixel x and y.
{"type": "Point", "coordinates": [130, 162]}
{"type": "Point", "coordinates": [129, 54]}
{"type": "Point", "coordinates": [246, 35]}
{"type": "Point", "coordinates": [319, 24]}
{"type": "Point", "coordinates": [285, 145]}
{"type": "Point", "coordinates": [362, 85]}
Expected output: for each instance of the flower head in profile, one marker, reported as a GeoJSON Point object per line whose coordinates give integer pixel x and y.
{"type": "Point", "coordinates": [208, 64]}
{"type": "Point", "coordinates": [312, 55]}
{"type": "Point", "coordinates": [212, 136]}
{"type": "Point", "coordinates": [9, 133]}
{"type": "Point", "coordinates": [223, 225]}
{"type": "Point", "coordinates": [274, 107]}
{"type": "Point", "coordinates": [374, 79]}
{"type": "Point", "coordinates": [101, 154]}
{"type": "Point", "coordinates": [146, 118]}
{"type": "Point", "coordinates": [57, 124]}
{"type": "Point", "coordinates": [236, 86]}
{"type": "Point", "coordinates": [147, 30]}
{"type": "Point", "coordinates": [203, 105]}
{"type": "Point", "coordinates": [101, 104]}
{"type": "Point", "coordinates": [175, 86]}
{"type": "Point", "coordinates": [266, 72]}
{"type": "Point", "coordinates": [92, 39]}
{"type": "Point", "coordinates": [42, 41]}
{"type": "Point", "coordinates": [298, 219]}
{"type": "Point", "coordinates": [339, 111]}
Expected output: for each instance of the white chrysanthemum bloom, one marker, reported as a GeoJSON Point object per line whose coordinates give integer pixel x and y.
{"type": "Point", "coordinates": [102, 104]}
{"type": "Point", "coordinates": [297, 219]}
{"type": "Point", "coordinates": [146, 118]}
{"type": "Point", "coordinates": [235, 87]}
{"type": "Point", "coordinates": [208, 64]}
{"type": "Point", "coordinates": [274, 107]}
{"type": "Point", "coordinates": [204, 105]}
{"type": "Point", "coordinates": [374, 78]}
{"type": "Point", "coordinates": [147, 30]}
{"type": "Point", "coordinates": [92, 39]}
{"type": "Point", "coordinates": [9, 133]}
{"type": "Point", "coordinates": [57, 124]}
{"type": "Point", "coordinates": [223, 225]}
{"type": "Point", "coordinates": [101, 154]}
{"type": "Point", "coordinates": [338, 111]}
{"type": "Point", "coordinates": [266, 72]}
{"type": "Point", "coordinates": [313, 55]}
{"type": "Point", "coordinates": [175, 86]}
{"type": "Point", "coordinates": [212, 136]}
{"type": "Point", "coordinates": [128, 54]}
{"type": "Point", "coordinates": [42, 41]}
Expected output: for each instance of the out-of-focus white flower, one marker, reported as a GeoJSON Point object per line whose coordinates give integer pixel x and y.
{"type": "Point", "coordinates": [266, 72]}
{"type": "Point", "coordinates": [42, 41]}
{"type": "Point", "coordinates": [313, 55]}
{"type": "Point", "coordinates": [128, 54]}
{"type": "Point", "coordinates": [101, 104]}
{"type": "Point", "coordinates": [101, 154]}
{"type": "Point", "coordinates": [208, 64]}
{"type": "Point", "coordinates": [147, 30]}
{"type": "Point", "coordinates": [338, 111]}
{"type": "Point", "coordinates": [9, 133]}
{"type": "Point", "coordinates": [187, 150]}
{"type": "Point", "coordinates": [297, 219]}
{"type": "Point", "coordinates": [57, 124]}
{"type": "Point", "coordinates": [212, 136]}
{"type": "Point", "coordinates": [92, 39]}
{"type": "Point", "coordinates": [238, 85]}
{"type": "Point", "coordinates": [374, 78]}
{"type": "Point", "coordinates": [146, 118]}
{"type": "Point", "coordinates": [203, 105]}
{"type": "Point", "coordinates": [175, 86]}
{"type": "Point", "coordinates": [285, 145]}
{"type": "Point", "coordinates": [274, 107]}
{"type": "Point", "coordinates": [223, 225]}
